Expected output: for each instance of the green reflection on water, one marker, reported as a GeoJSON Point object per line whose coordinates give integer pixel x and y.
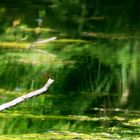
{"type": "Point", "coordinates": [99, 70]}
{"type": "Point", "coordinates": [17, 125]}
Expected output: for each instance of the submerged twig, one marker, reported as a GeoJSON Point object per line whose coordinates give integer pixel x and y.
{"type": "Point", "coordinates": [27, 96]}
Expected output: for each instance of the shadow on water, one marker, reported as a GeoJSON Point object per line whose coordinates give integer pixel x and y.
{"type": "Point", "coordinates": [98, 74]}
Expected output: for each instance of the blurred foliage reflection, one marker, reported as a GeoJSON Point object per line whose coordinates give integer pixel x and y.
{"type": "Point", "coordinates": [94, 62]}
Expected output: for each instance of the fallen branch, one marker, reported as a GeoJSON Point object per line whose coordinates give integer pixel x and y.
{"type": "Point", "coordinates": [45, 41]}
{"type": "Point", "coordinates": [33, 44]}
{"type": "Point", "coordinates": [27, 96]}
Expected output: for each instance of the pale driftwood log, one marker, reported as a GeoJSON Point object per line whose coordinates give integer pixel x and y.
{"type": "Point", "coordinates": [45, 41]}
{"type": "Point", "coordinates": [27, 96]}
{"type": "Point", "coordinates": [33, 44]}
